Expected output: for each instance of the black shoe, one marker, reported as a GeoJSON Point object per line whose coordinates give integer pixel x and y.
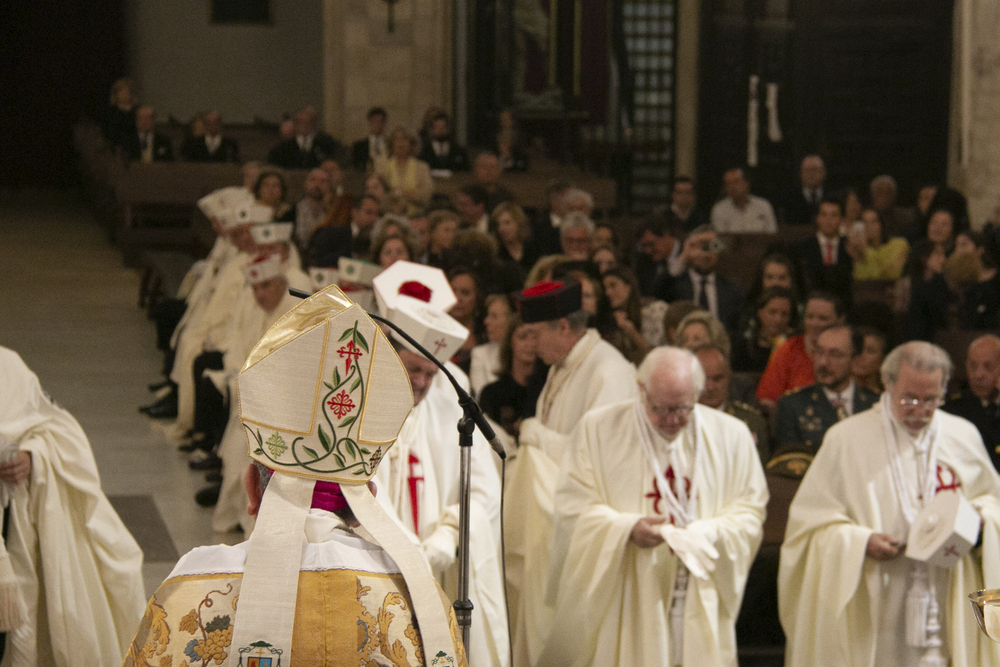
{"type": "Point", "coordinates": [209, 496]}
{"type": "Point", "coordinates": [214, 477]}
{"type": "Point", "coordinates": [210, 462]}
{"type": "Point", "coordinates": [157, 386]}
{"type": "Point", "coordinates": [165, 408]}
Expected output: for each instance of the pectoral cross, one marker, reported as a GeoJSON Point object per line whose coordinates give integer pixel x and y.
{"type": "Point", "coordinates": [391, 27]}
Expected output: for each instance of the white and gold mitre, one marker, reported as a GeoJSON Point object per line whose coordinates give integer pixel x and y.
{"type": "Point", "coordinates": [323, 394]}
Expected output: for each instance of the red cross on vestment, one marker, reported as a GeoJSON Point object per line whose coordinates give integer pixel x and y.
{"type": "Point", "coordinates": [947, 480]}
{"type": "Point", "coordinates": [439, 344]}
{"type": "Point", "coordinates": [672, 481]}
{"type": "Point", "coordinates": [415, 479]}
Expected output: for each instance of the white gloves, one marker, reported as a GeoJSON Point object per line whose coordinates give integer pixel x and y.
{"type": "Point", "coordinates": [439, 549]}
{"type": "Point", "coordinates": [532, 432]}
{"type": "Point", "coordinates": [694, 545]}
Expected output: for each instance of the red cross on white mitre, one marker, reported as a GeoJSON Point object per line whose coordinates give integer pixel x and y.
{"type": "Point", "coordinates": [439, 344]}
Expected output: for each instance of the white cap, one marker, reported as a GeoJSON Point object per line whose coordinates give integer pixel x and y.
{"type": "Point", "coordinates": [358, 271]}
{"type": "Point", "coordinates": [320, 278]}
{"type": "Point", "coordinates": [425, 283]}
{"type": "Point", "coordinates": [264, 267]}
{"type": "Point", "coordinates": [252, 214]}
{"type": "Point", "coordinates": [217, 203]}
{"type": "Point", "coordinates": [272, 232]}
{"type": "Point", "coordinates": [437, 331]}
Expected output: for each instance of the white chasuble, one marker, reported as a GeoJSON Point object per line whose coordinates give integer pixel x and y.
{"type": "Point", "coordinates": [77, 567]}
{"type": "Point", "coordinates": [839, 607]}
{"type": "Point", "coordinates": [418, 484]}
{"type": "Point", "coordinates": [614, 598]}
{"type": "Point", "coordinates": [594, 374]}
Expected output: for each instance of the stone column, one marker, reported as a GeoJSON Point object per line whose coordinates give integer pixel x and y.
{"type": "Point", "coordinates": [365, 65]}
{"type": "Point", "coordinates": [974, 137]}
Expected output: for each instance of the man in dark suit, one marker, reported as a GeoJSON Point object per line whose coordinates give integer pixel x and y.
{"type": "Point", "coordinates": [826, 264]}
{"type": "Point", "coordinates": [486, 169]}
{"type": "Point", "coordinates": [801, 204]}
{"type": "Point", "coordinates": [805, 415]}
{"type": "Point", "coordinates": [896, 220]}
{"type": "Point", "coordinates": [978, 401]}
{"type": "Point", "coordinates": [328, 244]}
{"type": "Point", "coordinates": [684, 213]}
{"type": "Point", "coordinates": [700, 283]}
{"type": "Point", "coordinates": [545, 224]}
{"type": "Point", "coordinates": [375, 145]}
{"type": "Point", "coordinates": [145, 144]}
{"type": "Point", "coordinates": [441, 152]}
{"type": "Point", "coordinates": [658, 253]}
{"type": "Point", "coordinates": [718, 374]}
{"type": "Point", "coordinates": [308, 148]}
{"type": "Point", "coordinates": [212, 147]}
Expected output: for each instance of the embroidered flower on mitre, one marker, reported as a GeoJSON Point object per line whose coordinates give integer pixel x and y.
{"type": "Point", "coordinates": [416, 289]}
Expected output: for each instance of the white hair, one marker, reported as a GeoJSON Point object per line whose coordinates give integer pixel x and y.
{"type": "Point", "coordinates": [576, 220]}
{"type": "Point", "coordinates": [576, 194]}
{"type": "Point", "coordinates": [675, 359]}
{"type": "Point", "coordinates": [920, 356]}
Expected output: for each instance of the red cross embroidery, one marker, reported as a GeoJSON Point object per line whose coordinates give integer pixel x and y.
{"type": "Point", "coordinates": [947, 480]}
{"type": "Point", "coordinates": [351, 352]}
{"type": "Point", "coordinates": [341, 404]}
{"type": "Point", "coordinates": [952, 551]}
{"type": "Point", "coordinates": [672, 481]}
{"type": "Point", "coordinates": [415, 479]}
{"type": "Point", "coordinates": [439, 344]}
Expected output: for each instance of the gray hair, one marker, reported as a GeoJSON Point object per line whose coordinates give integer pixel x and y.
{"type": "Point", "coordinates": [577, 320]}
{"type": "Point", "coordinates": [576, 194]}
{"type": "Point", "coordinates": [884, 180]}
{"type": "Point", "coordinates": [675, 358]}
{"type": "Point", "coordinates": [576, 220]}
{"type": "Point", "coordinates": [920, 356]}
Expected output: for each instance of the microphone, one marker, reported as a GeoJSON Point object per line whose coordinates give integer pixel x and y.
{"type": "Point", "coordinates": [469, 405]}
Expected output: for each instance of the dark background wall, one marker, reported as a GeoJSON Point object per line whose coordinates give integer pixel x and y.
{"type": "Point", "coordinates": [57, 60]}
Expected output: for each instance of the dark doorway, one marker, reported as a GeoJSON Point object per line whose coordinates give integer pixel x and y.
{"type": "Point", "coordinates": [59, 60]}
{"type": "Point", "coordinates": [864, 83]}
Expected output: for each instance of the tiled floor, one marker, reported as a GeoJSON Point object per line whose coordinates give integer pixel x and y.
{"type": "Point", "coordinates": [68, 307]}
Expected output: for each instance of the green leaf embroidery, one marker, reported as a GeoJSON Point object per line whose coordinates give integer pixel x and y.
{"type": "Point", "coordinates": [276, 445]}
{"type": "Point", "coordinates": [258, 451]}
{"type": "Point", "coordinates": [339, 458]}
{"type": "Point", "coordinates": [344, 336]}
{"type": "Point", "coordinates": [359, 472]}
{"type": "Point", "coordinates": [324, 439]}
{"type": "Point", "coordinates": [328, 385]}
{"type": "Point", "coordinates": [311, 452]}
{"type": "Point", "coordinates": [355, 385]}
{"type": "Point", "coordinates": [360, 341]}
{"type": "Point", "coordinates": [365, 451]}
{"type": "Point", "coordinates": [336, 378]}
{"type": "Point", "coordinates": [350, 448]}
{"type": "Point", "coordinates": [347, 422]}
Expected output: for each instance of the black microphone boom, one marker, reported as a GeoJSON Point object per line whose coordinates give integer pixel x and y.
{"type": "Point", "coordinates": [469, 405]}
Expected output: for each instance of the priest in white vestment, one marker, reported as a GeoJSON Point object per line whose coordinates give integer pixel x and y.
{"type": "Point", "coordinates": [269, 285]}
{"type": "Point", "coordinates": [663, 504]}
{"type": "Point", "coordinates": [72, 590]}
{"type": "Point", "coordinates": [845, 588]}
{"type": "Point", "coordinates": [419, 479]}
{"type": "Point", "coordinates": [585, 373]}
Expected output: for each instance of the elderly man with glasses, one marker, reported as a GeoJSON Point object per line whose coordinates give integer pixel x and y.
{"type": "Point", "coordinates": [658, 517]}
{"type": "Point", "coordinates": [847, 595]}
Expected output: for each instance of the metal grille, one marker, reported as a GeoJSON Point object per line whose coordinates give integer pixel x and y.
{"type": "Point", "coordinates": [650, 42]}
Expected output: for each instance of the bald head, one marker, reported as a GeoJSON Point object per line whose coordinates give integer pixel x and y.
{"type": "Point", "coordinates": [982, 365]}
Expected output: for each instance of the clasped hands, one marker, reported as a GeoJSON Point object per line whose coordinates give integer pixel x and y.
{"type": "Point", "coordinates": [17, 469]}
{"type": "Point", "coordinates": [694, 545]}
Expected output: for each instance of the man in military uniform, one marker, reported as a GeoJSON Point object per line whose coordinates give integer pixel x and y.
{"type": "Point", "coordinates": [805, 415]}
{"type": "Point", "coordinates": [979, 401]}
{"type": "Point", "coordinates": [718, 373]}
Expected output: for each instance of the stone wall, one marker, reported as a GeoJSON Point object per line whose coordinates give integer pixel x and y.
{"type": "Point", "coordinates": [404, 71]}
{"type": "Point", "coordinates": [974, 153]}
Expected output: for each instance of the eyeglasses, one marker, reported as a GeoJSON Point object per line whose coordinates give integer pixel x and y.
{"type": "Point", "coordinates": [920, 402]}
{"type": "Point", "coordinates": [678, 411]}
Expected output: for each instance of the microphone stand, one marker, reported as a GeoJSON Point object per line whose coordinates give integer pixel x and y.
{"type": "Point", "coordinates": [472, 418]}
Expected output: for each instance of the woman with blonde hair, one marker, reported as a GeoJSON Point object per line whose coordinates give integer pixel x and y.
{"type": "Point", "coordinates": [701, 327]}
{"type": "Point", "coordinates": [509, 225]}
{"type": "Point", "coordinates": [406, 175]}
